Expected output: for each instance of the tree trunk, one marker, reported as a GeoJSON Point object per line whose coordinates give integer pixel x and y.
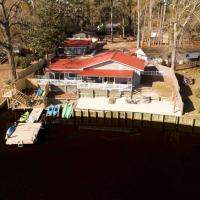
{"type": "Point", "coordinates": [12, 65]}
{"type": "Point", "coordinates": [138, 27]}
{"type": "Point", "coordinates": [123, 26]}
{"type": "Point", "coordinates": [173, 57]}
{"type": "Point", "coordinates": [111, 21]}
{"type": "Point", "coordinates": [130, 18]}
{"type": "Point", "coordinates": [150, 19]}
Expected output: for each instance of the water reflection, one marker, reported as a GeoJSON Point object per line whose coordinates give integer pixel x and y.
{"type": "Point", "coordinates": [78, 163]}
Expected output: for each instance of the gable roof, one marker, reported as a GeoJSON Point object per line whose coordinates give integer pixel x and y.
{"type": "Point", "coordinates": [82, 64]}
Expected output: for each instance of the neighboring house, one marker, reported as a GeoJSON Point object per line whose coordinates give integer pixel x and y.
{"type": "Point", "coordinates": [86, 34]}
{"type": "Point", "coordinates": [112, 70]}
{"type": "Point", "coordinates": [78, 46]}
{"type": "Point", "coordinates": [182, 58]}
{"type": "Point", "coordinates": [139, 53]}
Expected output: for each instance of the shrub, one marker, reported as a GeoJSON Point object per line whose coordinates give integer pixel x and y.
{"type": "Point", "coordinates": [17, 61]}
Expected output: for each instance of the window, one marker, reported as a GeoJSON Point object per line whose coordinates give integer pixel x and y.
{"type": "Point", "coordinates": [71, 76]}
{"type": "Point", "coordinates": [110, 80]}
{"type": "Point", "coordinates": [121, 80]}
{"type": "Point", "coordinates": [61, 76]}
{"type": "Point", "coordinates": [57, 76]}
{"type": "Point", "coordinates": [51, 75]}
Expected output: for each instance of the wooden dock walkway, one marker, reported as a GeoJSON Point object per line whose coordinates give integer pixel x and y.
{"type": "Point", "coordinates": [35, 115]}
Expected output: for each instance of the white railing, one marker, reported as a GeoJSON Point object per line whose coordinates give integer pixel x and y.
{"type": "Point", "coordinates": [105, 86]}
{"type": "Point", "coordinates": [42, 80]}
{"type": "Point", "coordinates": [153, 73]}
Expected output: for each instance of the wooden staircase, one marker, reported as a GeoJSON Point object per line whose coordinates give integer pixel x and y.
{"type": "Point", "coordinates": [21, 98]}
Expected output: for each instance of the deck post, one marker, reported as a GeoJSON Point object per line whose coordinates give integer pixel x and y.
{"type": "Point", "coordinates": [163, 122]}
{"type": "Point", "coordinates": [193, 124]}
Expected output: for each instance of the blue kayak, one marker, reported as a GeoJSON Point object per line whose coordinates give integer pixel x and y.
{"type": "Point", "coordinates": [11, 130]}
{"type": "Point", "coordinates": [50, 110]}
{"type": "Point", "coordinates": [56, 110]}
{"type": "Point", "coordinates": [39, 92]}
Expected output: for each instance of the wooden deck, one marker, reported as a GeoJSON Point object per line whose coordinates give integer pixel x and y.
{"type": "Point", "coordinates": [62, 96]}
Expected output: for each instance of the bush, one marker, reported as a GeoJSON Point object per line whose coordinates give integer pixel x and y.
{"type": "Point", "coordinates": [17, 61]}
{"type": "Point", "coordinates": [22, 62]}
{"type": "Point", "coordinates": [25, 61]}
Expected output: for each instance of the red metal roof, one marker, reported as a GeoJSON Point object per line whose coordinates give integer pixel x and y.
{"type": "Point", "coordinates": [77, 43]}
{"type": "Point", "coordinates": [115, 56]}
{"type": "Point", "coordinates": [107, 73]}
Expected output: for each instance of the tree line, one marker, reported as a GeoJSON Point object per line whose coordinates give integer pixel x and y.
{"type": "Point", "coordinates": [43, 25]}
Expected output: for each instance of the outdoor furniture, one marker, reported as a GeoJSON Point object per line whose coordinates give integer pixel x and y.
{"type": "Point", "coordinates": [188, 80]}
{"type": "Point", "coordinates": [112, 100]}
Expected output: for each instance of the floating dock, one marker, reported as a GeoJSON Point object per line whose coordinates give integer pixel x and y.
{"type": "Point", "coordinates": [26, 133]}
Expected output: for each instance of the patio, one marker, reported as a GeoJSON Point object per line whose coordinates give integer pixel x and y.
{"type": "Point", "coordinates": [155, 107]}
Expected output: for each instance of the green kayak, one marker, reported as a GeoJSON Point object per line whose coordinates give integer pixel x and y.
{"type": "Point", "coordinates": [69, 111]}
{"type": "Point", "coordinates": [24, 117]}
{"type": "Point", "coordinates": [64, 109]}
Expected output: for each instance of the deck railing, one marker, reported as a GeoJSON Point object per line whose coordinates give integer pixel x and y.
{"type": "Point", "coordinates": [105, 86]}
{"type": "Point", "coordinates": [42, 80]}
{"type": "Point", "coordinates": [153, 73]}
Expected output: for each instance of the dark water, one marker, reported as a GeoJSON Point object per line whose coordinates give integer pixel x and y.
{"type": "Point", "coordinates": [71, 163]}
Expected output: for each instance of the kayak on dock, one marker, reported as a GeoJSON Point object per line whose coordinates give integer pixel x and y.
{"type": "Point", "coordinates": [69, 111]}
{"type": "Point", "coordinates": [50, 110]}
{"type": "Point", "coordinates": [24, 117]}
{"type": "Point", "coordinates": [11, 130]}
{"type": "Point", "coordinates": [39, 92]}
{"type": "Point", "coordinates": [64, 109]}
{"type": "Point", "coordinates": [56, 110]}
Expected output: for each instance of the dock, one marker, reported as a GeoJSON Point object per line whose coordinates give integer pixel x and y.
{"type": "Point", "coordinates": [35, 115]}
{"type": "Point", "coordinates": [26, 133]}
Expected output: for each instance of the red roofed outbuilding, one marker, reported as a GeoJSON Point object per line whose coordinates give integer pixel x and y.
{"type": "Point", "coordinates": [78, 46]}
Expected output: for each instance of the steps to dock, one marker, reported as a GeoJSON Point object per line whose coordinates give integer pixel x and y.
{"type": "Point", "coordinates": [21, 98]}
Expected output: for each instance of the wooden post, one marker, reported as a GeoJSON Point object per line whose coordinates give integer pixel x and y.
{"type": "Point", "coordinates": [177, 123]}
{"type": "Point", "coordinates": [142, 115]}
{"type": "Point", "coordinates": [193, 124]}
{"type": "Point", "coordinates": [132, 124]}
{"type": "Point", "coordinates": [163, 122]}
{"type": "Point", "coordinates": [151, 120]}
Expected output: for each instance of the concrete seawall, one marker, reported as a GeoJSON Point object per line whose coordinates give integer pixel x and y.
{"type": "Point", "coordinates": [129, 120]}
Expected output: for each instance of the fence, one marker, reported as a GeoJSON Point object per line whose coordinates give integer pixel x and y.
{"type": "Point", "coordinates": [31, 69]}
{"type": "Point", "coordinates": [34, 67]}
{"type": "Point", "coordinates": [171, 74]}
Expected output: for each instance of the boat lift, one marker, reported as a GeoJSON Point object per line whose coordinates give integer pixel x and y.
{"type": "Point", "coordinates": [26, 133]}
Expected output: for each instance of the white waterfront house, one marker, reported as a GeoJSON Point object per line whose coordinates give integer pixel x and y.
{"type": "Point", "coordinates": [111, 70]}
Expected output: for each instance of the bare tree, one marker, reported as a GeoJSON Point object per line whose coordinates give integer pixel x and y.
{"type": "Point", "coordinates": [10, 25]}
{"type": "Point", "coordinates": [182, 12]}
{"type": "Point", "coordinates": [138, 25]}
